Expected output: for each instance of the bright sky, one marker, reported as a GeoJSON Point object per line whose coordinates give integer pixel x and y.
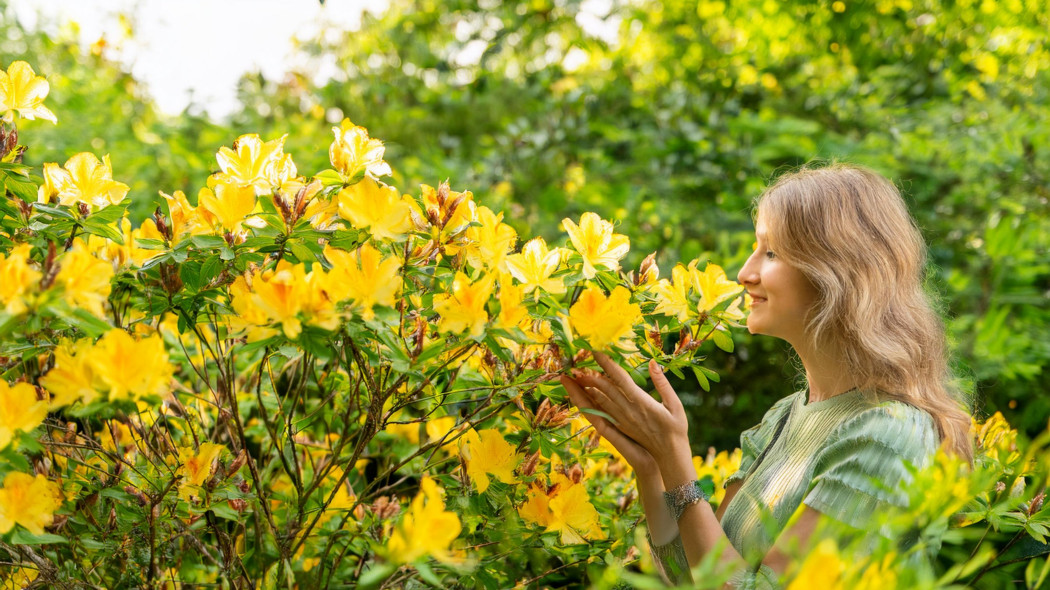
{"type": "Point", "coordinates": [196, 48]}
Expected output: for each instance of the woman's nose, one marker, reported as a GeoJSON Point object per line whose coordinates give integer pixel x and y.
{"type": "Point", "coordinates": [747, 274]}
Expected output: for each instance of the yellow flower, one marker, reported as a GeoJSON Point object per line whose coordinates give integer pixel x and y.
{"type": "Point", "coordinates": [279, 293]}
{"type": "Point", "coordinates": [536, 508]}
{"type": "Point", "coordinates": [511, 311]}
{"type": "Point", "coordinates": [996, 440]}
{"type": "Point", "coordinates": [823, 568]}
{"type": "Point", "coordinates": [185, 219]}
{"type": "Point", "coordinates": [196, 467]}
{"type": "Point", "coordinates": [29, 501]}
{"type": "Point", "coordinates": [597, 244]}
{"type": "Point", "coordinates": [20, 410]}
{"type": "Point", "coordinates": [437, 428]}
{"type": "Point", "coordinates": [228, 203]}
{"type": "Point", "coordinates": [129, 368]}
{"type": "Point", "coordinates": [353, 151]}
{"type": "Point", "coordinates": [604, 321]}
{"type": "Point", "coordinates": [489, 243]}
{"type": "Point", "coordinates": [71, 379]}
{"type": "Point", "coordinates": [876, 576]}
{"type": "Point", "coordinates": [318, 305]}
{"type": "Point", "coordinates": [263, 166]}
{"type": "Point", "coordinates": [364, 276]}
{"type": "Point", "coordinates": [120, 255]}
{"type": "Point", "coordinates": [487, 453]}
{"type": "Point", "coordinates": [719, 467]}
{"type": "Point", "coordinates": [17, 279]}
{"type": "Point", "coordinates": [83, 179]}
{"type": "Point", "coordinates": [376, 207]}
{"type": "Point", "coordinates": [713, 286]}
{"type": "Point", "coordinates": [458, 219]}
{"type": "Point", "coordinates": [534, 265]}
{"type": "Point", "coordinates": [23, 91]}
{"type": "Point", "coordinates": [464, 308]}
{"type": "Point", "coordinates": [248, 315]}
{"type": "Point", "coordinates": [571, 512]}
{"type": "Point", "coordinates": [672, 297]}
{"type": "Point", "coordinates": [425, 529]}
{"type": "Point", "coordinates": [84, 279]}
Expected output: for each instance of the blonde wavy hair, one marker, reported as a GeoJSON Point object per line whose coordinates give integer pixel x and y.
{"type": "Point", "coordinates": [848, 230]}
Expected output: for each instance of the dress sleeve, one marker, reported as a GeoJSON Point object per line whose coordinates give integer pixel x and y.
{"type": "Point", "coordinates": [671, 560]}
{"type": "Point", "coordinates": [754, 440]}
{"type": "Point", "coordinates": [862, 471]}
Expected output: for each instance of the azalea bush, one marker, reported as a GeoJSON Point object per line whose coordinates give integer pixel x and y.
{"type": "Point", "coordinates": [313, 380]}
{"type": "Point", "coordinates": [318, 380]}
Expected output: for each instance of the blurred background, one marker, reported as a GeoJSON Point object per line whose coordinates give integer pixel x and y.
{"type": "Point", "coordinates": [669, 117]}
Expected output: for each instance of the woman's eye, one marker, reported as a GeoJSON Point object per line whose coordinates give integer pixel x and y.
{"type": "Point", "coordinates": [770, 255]}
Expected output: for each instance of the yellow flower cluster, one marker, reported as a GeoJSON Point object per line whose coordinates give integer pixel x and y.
{"type": "Point", "coordinates": [486, 453]}
{"type": "Point", "coordinates": [118, 366]}
{"type": "Point", "coordinates": [718, 466]}
{"type": "Point", "coordinates": [691, 292]}
{"type": "Point", "coordinates": [426, 529]}
{"type": "Point", "coordinates": [82, 280]}
{"type": "Point", "coordinates": [22, 91]}
{"type": "Point", "coordinates": [28, 500]}
{"type": "Point", "coordinates": [83, 179]}
{"type": "Point", "coordinates": [564, 507]}
{"type": "Point", "coordinates": [195, 466]}
{"type": "Point", "coordinates": [20, 410]}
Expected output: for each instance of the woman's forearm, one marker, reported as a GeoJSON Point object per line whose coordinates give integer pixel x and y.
{"type": "Point", "coordinates": [662, 528]}
{"type": "Point", "coordinates": [699, 527]}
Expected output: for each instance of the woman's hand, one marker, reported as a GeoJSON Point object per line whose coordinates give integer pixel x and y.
{"type": "Point", "coordinates": [659, 428]}
{"type": "Point", "coordinates": [640, 460]}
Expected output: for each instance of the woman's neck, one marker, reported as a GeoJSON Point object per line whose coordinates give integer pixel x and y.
{"type": "Point", "coordinates": [827, 371]}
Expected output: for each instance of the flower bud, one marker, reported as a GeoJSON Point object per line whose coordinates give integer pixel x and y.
{"type": "Point", "coordinates": [648, 271]}
{"type": "Point", "coordinates": [8, 140]}
{"type": "Point", "coordinates": [137, 494]}
{"type": "Point", "coordinates": [529, 466]}
{"type": "Point", "coordinates": [1037, 503]}
{"type": "Point", "coordinates": [575, 473]}
{"type": "Point", "coordinates": [162, 224]}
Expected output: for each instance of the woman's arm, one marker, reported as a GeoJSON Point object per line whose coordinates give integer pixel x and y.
{"type": "Point", "coordinates": [661, 429]}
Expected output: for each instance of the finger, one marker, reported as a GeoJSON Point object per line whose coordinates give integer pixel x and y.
{"type": "Point", "coordinates": [613, 407]}
{"type": "Point", "coordinates": [663, 387]}
{"type": "Point", "coordinates": [616, 373]}
{"type": "Point", "coordinates": [632, 398]}
{"type": "Point", "coordinates": [584, 401]}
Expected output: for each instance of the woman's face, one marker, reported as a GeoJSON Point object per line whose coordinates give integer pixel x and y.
{"type": "Point", "coordinates": [781, 296]}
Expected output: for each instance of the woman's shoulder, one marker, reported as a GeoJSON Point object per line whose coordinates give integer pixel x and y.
{"type": "Point", "coordinates": [888, 425]}
{"type": "Point", "coordinates": [758, 435]}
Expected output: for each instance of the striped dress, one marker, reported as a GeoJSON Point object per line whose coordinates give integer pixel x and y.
{"type": "Point", "coordinates": [845, 457]}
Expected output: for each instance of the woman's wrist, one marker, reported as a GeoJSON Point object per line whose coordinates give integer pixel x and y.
{"type": "Point", "coordinates": [676, 467]}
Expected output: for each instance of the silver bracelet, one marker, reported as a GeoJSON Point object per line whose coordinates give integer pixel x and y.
{"type": "Point", "coordinates": [687, 494]}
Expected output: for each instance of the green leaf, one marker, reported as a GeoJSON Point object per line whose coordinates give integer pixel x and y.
{"type": "Point", "coordinates": [428, 575]}
{"type": "Point", "coordinates": [702, 379]}
{"type": "Point", "coordinates": [108, 214]}
{"type": "Point", "coordinates": [150, 244]}
{"type": "Point", "coordinates": [20, 186]}
{"type": "Point", "coordinates": [330, 178]}
{"type": "Point", "coordinates": [599, 413]}
{"type": "Point", "coordinates": [24, 537]}
{"type": "Point", "coordinates": [57, 211]}
{"type": "Point", "coordinates": [103, 230]}
{"type": "Point", "coordinates": [372, 577]}
{"type": "Point", "coordinates": [210, 269]}
{"type": "Point", "coordinates": [208, 242]}
{"type": "Point", "coordinates": [722, 340]}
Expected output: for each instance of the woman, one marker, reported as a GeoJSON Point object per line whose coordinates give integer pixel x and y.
{"type": "Point", "coordinates": [837, 273]}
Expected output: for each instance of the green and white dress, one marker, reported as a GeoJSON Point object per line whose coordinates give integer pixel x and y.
{"type": "Point", "coordinates": [845, 457]}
